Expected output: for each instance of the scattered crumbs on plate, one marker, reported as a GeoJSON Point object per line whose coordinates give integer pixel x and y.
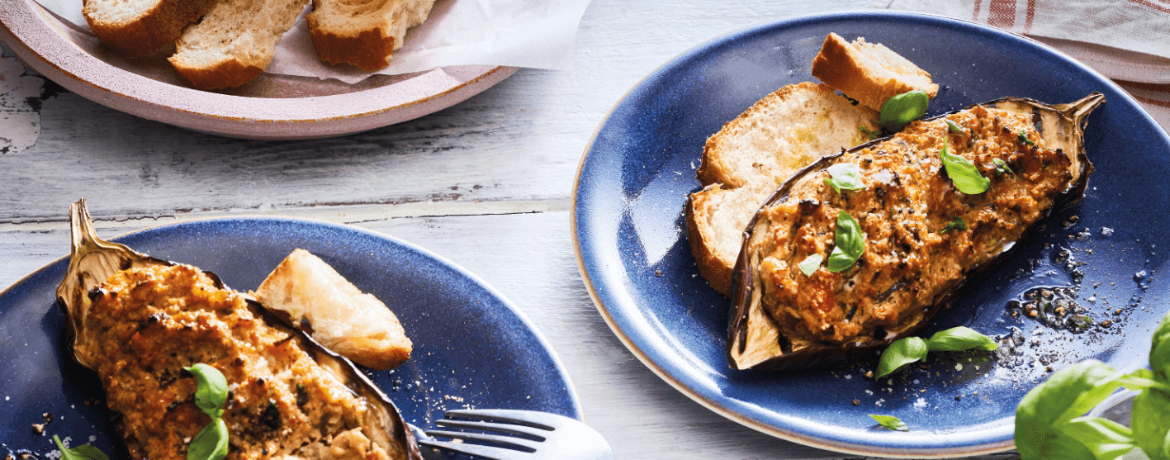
{"type": "Point", "coordinates": [920, 403]}
{"type": "Point", "coordinates": [869, 392]}
{"type": "Point", "coordinates": [958, 366]}
{"type": "Point", "coordinates": [880, 402]}
{"type": "Point", "coordinates": [916, 381]}
{"type": "Point", "coordinates": [848, 377]}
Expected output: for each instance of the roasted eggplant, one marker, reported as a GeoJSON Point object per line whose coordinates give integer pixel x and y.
{"type": "Point", "coordinates": [922, 236]}
{"type": "Point", "coordinates": [138, 321]}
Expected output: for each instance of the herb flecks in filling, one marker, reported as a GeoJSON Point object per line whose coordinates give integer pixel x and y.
{"type": "Point", "coordinates": [907, 199]}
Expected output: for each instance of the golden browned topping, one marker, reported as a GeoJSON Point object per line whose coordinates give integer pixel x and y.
{"type": "Point", "coordinates": [151, 322]}
{"type": "Point", "coordinates": [911, 256]}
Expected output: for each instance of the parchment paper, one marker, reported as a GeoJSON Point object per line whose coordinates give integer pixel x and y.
{"type": "Point", "coordinates": [517, 33]}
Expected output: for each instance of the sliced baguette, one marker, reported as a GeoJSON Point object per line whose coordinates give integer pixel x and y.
{"type": "Point", "coordinates": [868, 72]}
{"type": "Point", "coordinates": [234, 42]}
{"type": "Point", "coordinates": [752, 155]}
{"type": "Point", "coordinates": [142, 27]}
{"type": "Point", "coordinates": [341, 317]}
{"type": "Point", "coordinates": [364, 33]}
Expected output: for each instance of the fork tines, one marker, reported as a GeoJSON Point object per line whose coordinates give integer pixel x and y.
{"type": "Point", "coordinates": [525, 433]}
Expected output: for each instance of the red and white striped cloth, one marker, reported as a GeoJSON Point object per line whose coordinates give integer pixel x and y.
{"type": "Point", "coordinates": [1126, 40]}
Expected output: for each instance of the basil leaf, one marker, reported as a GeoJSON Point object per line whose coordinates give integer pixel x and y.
{"type": "Point", "coordinates": [1135, 454]}
{"type": "Point", "coordinates": [1142, 379]}
{"type": "Point", "coordinates": [1001, 167]}
{"type": "Point", "coordinates": [82, 452]}
{"type": "Point", "coordinates": [955, 129]}
{"type": "Point", "coordinates": [1070, 392]}
{"type": "Point", "coordinates": [810, 264]}
{"type": "Point", "coordinates": [211, 443]}
{"type": "Point", "coordinates": [900, 110]}
{"type": "Point", "coordinates": [832, 184]}
{"type": "Point", "coordinates": [963, 173]}
{"type": "Point", "coordinates": [845, 176]}
{"type": "Point", "coordinates": [957, 224]}
{"type": "Point", "coordinates": [900, 353]}
{"type": "Point", "coordinates": [1106, 439]}
{"type": "Point", "coordinates": [1023, 137]}
{"type": "Point", "coordinates": [959, 339]}
{"type": "Point", "coordinates": [1150, 420]}
{"type": "Point", "coordinates": [849, 243]}
{"type": "Point", "coordinates": [210, 389]}
{"type": "Point", "coordinates": [891, 422]}
{"type": "Point", "coordinates": [1160, 351]}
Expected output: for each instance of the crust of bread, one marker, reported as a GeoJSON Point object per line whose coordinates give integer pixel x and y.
{"type": "Point", "coordinates": [234, 42]}
{"type": "Point", "coordinates": [225, 74]}
{"type": "Point", "coordinates": [712, 267]}
{"type": "Point", "coordinates": [150, 31]}
{"type": "Point", "coordinates": [370, 50]}
{"type": "Point", "coordinates": [869, 73]}
{"type": "Point", "coordinates": [363, 33]}
{"type": "Point", "coordinates": [355, 325]}
{"type": "Point", "coordinates": [751, 155]}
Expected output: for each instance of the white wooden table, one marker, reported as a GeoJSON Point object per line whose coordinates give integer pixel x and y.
{"type": "Point", "coordinates": [486, 184]}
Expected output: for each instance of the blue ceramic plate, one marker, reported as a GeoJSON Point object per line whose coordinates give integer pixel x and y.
{"type": "Point", "coordinates": [630, 235]}
{"type": "Point", "coordinates": [471, 347]}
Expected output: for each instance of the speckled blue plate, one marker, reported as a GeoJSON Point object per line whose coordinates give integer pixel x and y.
{"type": "Point", "coordinates": [471, 347]}
{"type": "Point", "coordinates": [629, 230]}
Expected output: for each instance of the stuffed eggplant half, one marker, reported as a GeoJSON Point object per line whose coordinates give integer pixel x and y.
{"type": "Point", "coordinates": [139, 321]}
{"type": "Point", "coordinates": [863, 247]}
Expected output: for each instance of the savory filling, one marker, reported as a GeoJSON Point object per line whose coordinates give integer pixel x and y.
{"type": "Point", "coordinates": [919, 234]}
{"type": "Point", "coordinates": [151, 322]}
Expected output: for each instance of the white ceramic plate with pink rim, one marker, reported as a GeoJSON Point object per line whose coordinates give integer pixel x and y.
{"type": "Point", "coordinates": [269, 107]}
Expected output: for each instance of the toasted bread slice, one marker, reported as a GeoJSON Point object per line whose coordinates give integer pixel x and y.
{"type": "Point", "coordinates": [234, 42]}
{"type": "Point", "coordinates": [342, 318]}
{"type": "Point", "coordinates": [142, 27]}
{"type": "Point", "coordinates": [364, 33]}
{"type": "Point", "coordinates": [869, 73]}
{"type": "Point", "coordinates": [753, 154]}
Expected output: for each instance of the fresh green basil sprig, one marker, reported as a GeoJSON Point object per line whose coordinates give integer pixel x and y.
{"type": "Point", "coordinates": [955, 128]}
{"type": "Point", "coordinates": [845, 176]}
{"type": "Point", "coordinates": [1001, 167]}
{"type": "Point", "coordinates": [210, 394]}
{"type": "Point", "coordinates": [963, 172]}
{"type": "Point", "coordinates": [1023, 137]}
{"type": "Point", "coordinates": [82, 452]}
{"type": "Point", "coordinates": [891, 422]}
{"type": "Point", "coordinates": [849, 243]}
{"type": "Point", "coordinates": [900, 110]}
{"type": "Point", "coordinates": [810, 264]}
{"type": "Point", "coordinates": [910, 350]}
{"type": "Point", "coordinates": [1049, 422]}
{"type": "Point", "coordinates": [956, 224]}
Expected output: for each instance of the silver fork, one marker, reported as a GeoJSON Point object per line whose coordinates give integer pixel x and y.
{"type": "Point", "coordinates": [527, 435]}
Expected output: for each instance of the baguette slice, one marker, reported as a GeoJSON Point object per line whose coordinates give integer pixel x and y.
{"type": "Point", "coordinates": [869, 73]}
{"type": "Point", "coordinates": [142, 27]}
{"type": "Point", "coordinates": [364, 33]}
{"type": "Point", "coordinates": [752, 155]}
{"type": "Point", "coordinates": [234, 42]}
{"type": "Point", "coordinates": [355, 325]}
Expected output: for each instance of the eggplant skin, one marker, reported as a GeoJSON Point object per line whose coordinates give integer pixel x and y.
{"type": "Point", "coordinates": [756, 341]}
{"type": "Point", "coordinates": [138, 321]}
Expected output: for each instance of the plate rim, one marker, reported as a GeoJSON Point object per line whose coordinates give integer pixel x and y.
{"type": "Point", "coordinates": [559, 366]}
{"type": "Point", "coordinates": [24, 27]}
{"type": "Point", "coordinates": [685, 387]}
